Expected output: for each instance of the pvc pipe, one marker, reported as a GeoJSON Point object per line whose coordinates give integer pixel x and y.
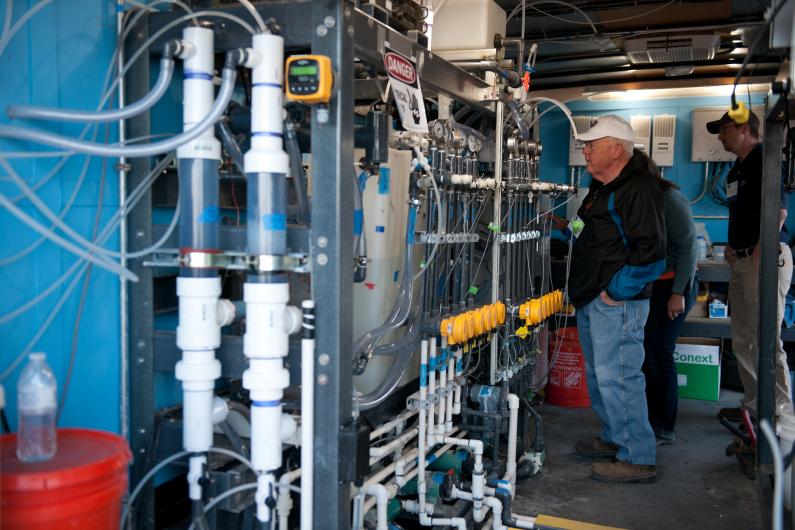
{"type": "Point", "coordinates": [422, 423]}
{"type": "Point", "coordinates": [448, 424]}
{"type": "Point", "coordinates": [284, 504]}
{"type": "Point", "coordinates": [496, 508]}
{"type": "Point", "coordinates": [513, 407]}
{"type": "Point", "coordinates": [134, 151]}
{"type": "Point", "coordinates": [307, 412]}
{"type": "Point", "coordinates": [459, 370]}
{"type": "Point", "coordinates": [381, 494]}
{"type": "Point", "coordinates": [128, 111]}
{"type": "Point", "coordinates": [442, 391]}
{"type": "Point", "coordinates": [432, 387]}
{"type": "Point", "coordinates": [377, 453]}
{"type": "Point", "coordinates": [388, 426]}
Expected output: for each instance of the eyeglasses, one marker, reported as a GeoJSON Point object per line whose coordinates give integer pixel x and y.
{"type": "Point", "coordinates": [723, 128]}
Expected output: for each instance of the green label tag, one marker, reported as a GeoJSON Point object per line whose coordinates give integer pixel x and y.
{"type": "Point", "coordinates": [473, 290]}
{"type": "Point", "coordinates": [576, 226]}
{"type": "Point", "coordinates": [494, 227]}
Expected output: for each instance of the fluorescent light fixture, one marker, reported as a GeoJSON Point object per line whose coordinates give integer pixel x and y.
{"type": "Point", "coordinates": [665, 93]}
{"type": "Point", "coordinates": [681, 69]}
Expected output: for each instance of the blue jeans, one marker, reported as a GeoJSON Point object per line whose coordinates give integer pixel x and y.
{"type": "Point", "coordinates": [612, 344]}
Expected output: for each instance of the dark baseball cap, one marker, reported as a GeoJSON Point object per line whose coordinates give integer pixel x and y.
{"type": "Point", "coordinates": [714, 126]}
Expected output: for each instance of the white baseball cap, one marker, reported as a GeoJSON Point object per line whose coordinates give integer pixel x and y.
{"type": "Point", "coordinates": [608, 125]}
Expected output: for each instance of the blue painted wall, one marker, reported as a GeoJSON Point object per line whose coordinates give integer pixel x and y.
{"type": "Point", "coordinates": [59, 58]}
{"type": "Point", "coordinates": [688, 175]}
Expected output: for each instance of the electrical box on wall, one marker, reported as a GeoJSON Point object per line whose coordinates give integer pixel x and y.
{"type": "Point", "coordinates": [582, 123]}
{"type": "Point", "coordinates": [642, 127]}
{"type": "Point", "coordinates": [662, 148]}
{"type": "Point", "coordinates": [706, 146]}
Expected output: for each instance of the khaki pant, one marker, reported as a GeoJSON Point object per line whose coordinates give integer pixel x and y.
{"type": "Point", "coordinates": [744, 306]}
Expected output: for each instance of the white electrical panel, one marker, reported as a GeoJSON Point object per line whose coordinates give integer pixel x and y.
{"type": "Point", "coordinates": [582, 123]}
{"type": "Point", "coordinates": [706, 146]}
{"type": "Point", "coordinates": [662, 147]}
{"type": "Point", "coordinates": [642, 127]}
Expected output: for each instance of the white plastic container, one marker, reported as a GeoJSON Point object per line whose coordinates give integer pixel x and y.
{"type": "Point", "coordinates": [37, 403]}
{"type": "Point", "coordinates": [701, 246]}
{"type": "Point", "coordinates": [467, 25]}
{"type": "Point", "coordinates": [785, 428]}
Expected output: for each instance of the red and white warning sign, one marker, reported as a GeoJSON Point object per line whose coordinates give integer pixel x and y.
{"type": "Point", "coordinates": [406, 89]}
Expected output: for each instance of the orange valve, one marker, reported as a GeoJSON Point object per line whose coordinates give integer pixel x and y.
{"type": "Point", "coordinates": [459, 329]}
{"type": "Point", "coordinates": [477, 322]}
{"type": "Point", "coordinates": [535, 311]}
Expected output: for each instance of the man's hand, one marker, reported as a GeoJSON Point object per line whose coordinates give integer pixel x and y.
{"type": "Point", "coordinates": [729, 255]}
{"type": "Point", "coordinates": [676, 305]}
{"type": "Point", "coordinates": [606, 299]}
{"type": "Point", "coordinates": [756, 254]}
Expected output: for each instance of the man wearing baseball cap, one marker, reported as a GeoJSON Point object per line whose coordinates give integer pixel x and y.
{"type": "Point", "coordinates": [619, 250]}
{"type": "Point", "coordinates": [744, 195]}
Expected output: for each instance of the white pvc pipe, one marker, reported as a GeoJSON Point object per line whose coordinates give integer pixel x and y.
{"type": "Point", "coordinates": [448, 423]}
{"type": "Point", "coordinates": [307, 424]}
{"type": "Point", "coordinates": [443, 394]}
{"type": "Point", "coordinates": [513, 407]}
{"type": "Point", "coordinates": [381, 494]}
{"type": "Point", "coordinates": [377, 453]}
{"type": "Point", "coordinates": [432, 386]}
{"type": "Point", "coordinates": [459, 369]}
{"type": "Point", "coordinates": [422, 425]}
{"type": "Point", "coordinates": [284, 504]}
{"type": "Point", "coordinates": [388, 426]}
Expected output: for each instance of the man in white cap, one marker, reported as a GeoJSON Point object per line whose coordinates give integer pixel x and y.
{"type": "Point", "coordinates": [619, 250]}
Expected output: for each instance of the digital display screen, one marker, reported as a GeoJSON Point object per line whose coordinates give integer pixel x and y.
{"type": "Point", "coordinates": [304, 70]}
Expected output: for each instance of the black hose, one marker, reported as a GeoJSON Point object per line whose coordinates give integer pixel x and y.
{"type": "Point", "coordinates": [197, 515]}
{"type": "Point", "coordinates": [297, 171]}
{"type": "Point", "coordinates": [4, 419]}
{"type": "Point", "coordinates": [231, 144]}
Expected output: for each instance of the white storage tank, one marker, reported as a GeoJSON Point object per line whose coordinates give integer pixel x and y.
{"type": "Point", "coordinates": [467, 25]}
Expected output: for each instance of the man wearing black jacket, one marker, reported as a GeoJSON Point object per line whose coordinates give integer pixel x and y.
{"type": "Point", "coordinates": [619, 250]}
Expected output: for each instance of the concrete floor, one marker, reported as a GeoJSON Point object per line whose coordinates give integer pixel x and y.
{"type": "Point", "coordinates": [698, 486]}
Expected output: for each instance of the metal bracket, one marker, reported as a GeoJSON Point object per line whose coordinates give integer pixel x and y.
{"type": "Point", "coordinates": [295, 262]}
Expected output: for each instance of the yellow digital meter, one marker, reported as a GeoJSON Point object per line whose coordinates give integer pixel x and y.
{"type": "Point", "coordinates": [309, 79]}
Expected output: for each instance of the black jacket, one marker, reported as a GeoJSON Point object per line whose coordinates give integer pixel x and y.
{"type": "Point", "coordinates": [621, 248]}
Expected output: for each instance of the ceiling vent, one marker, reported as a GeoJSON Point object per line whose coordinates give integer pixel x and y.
{"type": "Point", "coordinates": [672, 49]}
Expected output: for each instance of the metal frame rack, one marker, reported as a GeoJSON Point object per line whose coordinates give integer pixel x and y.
{"type": "Point", "coordinates": [340, 31]}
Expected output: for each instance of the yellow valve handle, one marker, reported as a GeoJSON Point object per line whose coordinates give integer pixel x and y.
{"type": "Point", "coordinates": [739, 115]}
{"type": "Point", "coordinates": [535, 310]}
{"type": "Point", "coordinates": [522, 332]}
{"type": "Point", "coordinates": [477, 322]}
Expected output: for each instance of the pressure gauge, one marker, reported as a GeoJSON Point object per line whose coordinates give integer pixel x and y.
{"type": "Point", "coordinates": [439, 131]}
{"type": "Point", "coordinates": [473, 143]}
{"type": "Point", "coordinates": [309, 79]}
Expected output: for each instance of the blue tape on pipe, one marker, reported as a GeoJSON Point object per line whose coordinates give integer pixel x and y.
{"type": "Point", "coordinates": [411, 225]}
{"type": "Point", "coordinates": [274, 221]}
{"type": "Point", "coordinates": [423, 375]}
{"type": "Point", "coordinates": [267, 134]}
{"type": "Point", "coordinates": [210, 215]}
{"type": "Point", "coordinates": [432, 363]}
{"type": "Point", "coordinates": [274, 403]}
{"type": "Point", "coordinates": [195, 74]}
{"type": "Point", "coordinates": [431, 459]}
{"type": "Point", "coordinates": [459, 365]}
{"type": "Point", "coordinates": [380, 229]}
{"type": "Point", "coordinates": [267, 85]}
{"type": "Point", "coordinates": [396, 276]}
{"type": "Point", "coordinates": [384, 175]}
{"type": "Point", "coordinates": [358, 220]}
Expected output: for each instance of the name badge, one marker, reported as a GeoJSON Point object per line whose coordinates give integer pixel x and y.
{"type": "Point", "coordinates": [731, 189]}
{"type": "Point", "coordinates": [576, 226]}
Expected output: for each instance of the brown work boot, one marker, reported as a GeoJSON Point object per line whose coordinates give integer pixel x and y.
{"type": "Point", "coordinates": [595, 449]}
{"type": "Point", "coordinates": [623, 473]}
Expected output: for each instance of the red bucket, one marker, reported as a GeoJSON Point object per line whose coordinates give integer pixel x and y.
{"type": "Point", "coordinates": [80, 487]}
{"type": "Point", "coordinates": [567, 386]}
